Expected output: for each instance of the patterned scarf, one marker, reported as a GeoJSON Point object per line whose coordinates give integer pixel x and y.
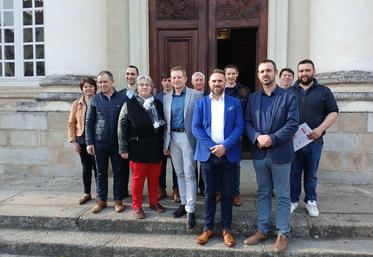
{"type": "Point", "coordinates": [149, 106]}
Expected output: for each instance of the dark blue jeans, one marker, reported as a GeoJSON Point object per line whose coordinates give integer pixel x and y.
{"type": "Point", "coordinates": [104, 152]}
{"type": "Point", "coordinates": [307, 162]}
{"type": "Point", "coordinates": [218, 176]}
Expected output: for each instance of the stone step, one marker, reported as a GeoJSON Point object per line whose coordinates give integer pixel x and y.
{"type": "Point", "coordinates": [82, 244]}
{"type": "Point", "coordinates": [54, 211]}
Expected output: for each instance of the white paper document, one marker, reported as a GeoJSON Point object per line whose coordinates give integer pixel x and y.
{"type": "Point", "coordinates": [300, 139]}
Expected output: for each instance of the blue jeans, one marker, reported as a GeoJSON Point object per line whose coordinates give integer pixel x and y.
{"type": "Point", "coordinates": [217, 175]}
{"type": "Point", "coordinates": [104, 152]}
{"type": "Point", "coordinates": [306, 160]}
{"type": "Point", "coordinates": [268, 176]}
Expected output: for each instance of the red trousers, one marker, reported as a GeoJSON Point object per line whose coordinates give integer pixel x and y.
{"type": "Point", "coordinates": [141, 171]}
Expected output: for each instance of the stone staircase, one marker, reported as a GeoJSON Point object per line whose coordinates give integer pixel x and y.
{"type": "Point", "coordinates": [51, 223]}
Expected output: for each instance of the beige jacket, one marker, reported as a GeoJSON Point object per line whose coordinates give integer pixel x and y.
{"type": "Point", "coordinates": [76, 121]}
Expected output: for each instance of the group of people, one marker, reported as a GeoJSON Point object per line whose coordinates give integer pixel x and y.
{"type": "Point", "coordinates": [204, 127]}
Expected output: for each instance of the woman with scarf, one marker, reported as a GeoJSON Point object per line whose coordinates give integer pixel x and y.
{"type": "Point", "coordinates": [76, 133]}
{"type": "Point", "coordinates": [140, 134]}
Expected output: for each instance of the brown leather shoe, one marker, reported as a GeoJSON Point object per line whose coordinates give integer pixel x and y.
{"type": "Point", "coordinates": [100, 205]}
{"type": "Point", "coordinates": [228, 238]}
{"type": "Point", "coordinates": [139, 213]}
{"type": "Point", "coordinates": [85, 198]}
{"type": "Point", "coordinates": [157, 207]}
{"type": "Point", "coordinates": [255, 238]}
{"type": "Point", "coordinates": [218, 197]}
{"type": "Point", "coordinates": [281, 244]}
{"type": "Point", "coordinates": [236, 200]}
{"type": "Point", "coordinates": [119, 207]}
{"type": "Point", "coordinates": [162, 193]}
{"type": "Point", "coordinates": [205, 236]}
{"type": "Point", "coordinates": [176, 195]}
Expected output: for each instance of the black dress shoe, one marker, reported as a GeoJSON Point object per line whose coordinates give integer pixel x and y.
{"type": "Point", "coordinates": [180, 211]}
{"type": "Point", "coordinates": [191, 220]}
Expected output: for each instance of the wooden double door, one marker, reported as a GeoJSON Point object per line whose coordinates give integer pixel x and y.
{"type": "Point", "coordinates": [205, 34]}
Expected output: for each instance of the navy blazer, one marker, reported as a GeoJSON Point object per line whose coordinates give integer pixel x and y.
{"type": "Point", "coordinates": [284, 124]}
{"type": "Point", "coordinates": [233, 128]}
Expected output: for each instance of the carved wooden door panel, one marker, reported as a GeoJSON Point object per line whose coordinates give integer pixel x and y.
{"type": "Point", "coordinates": [183, 32]}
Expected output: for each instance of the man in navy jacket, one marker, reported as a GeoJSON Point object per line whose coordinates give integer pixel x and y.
{"type": "Point", "coordinates": [271, 120]}
{"type": "Point", "coordinates": [217, 126]}
{"type": "Point", "coordinates": [102, 139]}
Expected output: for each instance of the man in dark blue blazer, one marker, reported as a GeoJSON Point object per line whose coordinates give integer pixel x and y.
{"type": "Point", "coordinates": [217, 125]}
{"type": "Point", "coordinates": [271, 120]}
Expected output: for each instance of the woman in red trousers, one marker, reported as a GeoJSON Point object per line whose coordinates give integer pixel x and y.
{"type": "Point", "coordinates": [140, 134]}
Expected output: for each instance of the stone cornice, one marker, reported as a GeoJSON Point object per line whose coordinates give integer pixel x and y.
{"type": "Point", "coordinates": [353, 96]}
{"type": "Point", "coordinates": [62, 80]}
{"type": "Point", "coordinates": [345, 77]}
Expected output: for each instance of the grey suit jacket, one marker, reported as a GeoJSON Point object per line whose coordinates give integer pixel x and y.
{"type": "Point", "coordinates": [190, 98]}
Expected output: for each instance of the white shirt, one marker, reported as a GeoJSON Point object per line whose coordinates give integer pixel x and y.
{"type": "Point", "coordinates": [217, 119]}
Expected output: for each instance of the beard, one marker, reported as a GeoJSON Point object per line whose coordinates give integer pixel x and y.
{"type": "Point", "coordinates": [305, 82]}
{"type": "Point", "coordinates": [217, 91]}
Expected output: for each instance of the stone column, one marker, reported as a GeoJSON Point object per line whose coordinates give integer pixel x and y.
{"type": "Point", "coordinates": [75, 36]}
{"type": "Point", "coordinates": [341, 43]}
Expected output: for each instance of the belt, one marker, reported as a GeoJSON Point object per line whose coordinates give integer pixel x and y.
{"type": "Point", "coordinates": [178, 130]}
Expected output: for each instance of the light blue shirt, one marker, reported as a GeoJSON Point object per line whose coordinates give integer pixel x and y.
{"type": "Point", "coordinates": [177, 110]}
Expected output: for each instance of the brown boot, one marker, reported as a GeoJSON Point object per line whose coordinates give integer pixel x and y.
{"type": "Point", "coordinates": [100, 205]}
{"type": "Point", "coordinates": [204, 237]}
{"type": "Point", "coordinates": [228, 238]}
{"type": "Point", "coordinates": [85, 198]}
{"type": "Point", "coordinates": [255, 238]}
{"type": "Point", "coordinates": [237, 200]}
{"type": "Point", "coordinates": [218, 197]}
{"type": "Point", "coordinates": [281, 244]}
{"type": "Point", "coordinates": [175, 195]}
{"type": "Point", "coordinates": [119, 207]}
{"type": "Point", "coordinates": [162, 193]}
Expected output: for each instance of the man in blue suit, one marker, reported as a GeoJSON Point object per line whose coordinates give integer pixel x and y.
{"type": "Point", "coordinates": [271, 120]}
{"type": "Point", "coordinates": [217, 125]}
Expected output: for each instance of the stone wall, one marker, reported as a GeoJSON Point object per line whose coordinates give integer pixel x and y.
{"type": "Point", "coordinates": [348, 143]}
{"type": "Point", "coordinates": [36, 143]}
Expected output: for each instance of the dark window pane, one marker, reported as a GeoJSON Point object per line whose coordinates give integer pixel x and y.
{"type": "Point", "coordinates": [8, 19]}
{"type": "Point", "coordinates": [1, 69]}
{"type": "Point", "coordinates": [38, 3]}
{"type": "Point", "coordinates": [9, 35]}
{"type": "Point", "coordinates": [1, 35]}
{"type": "Point", "coordinates": [40, 69]}
{"type": "Point", "coordinates": [1, 54]}
{"type": "Point", "coordinates": [9, 52]}
{"type": "Point", "coordinates": [39, 49]}
{"type": "Point", "coordinates": [27, 18]}
{"type": "Point", "coordinates": [28, 69]}
{"type": "Point", "coordinates": [27, 3]}
{"type": "Point", "coordinates": [9, 69]}
{"type": "Point", "coordinates": [39, 34]}
{"type": "Point", "coordinates": [39, 17]}
{"type": "Point", "coordinates": [8, 4]}
{"type": "Point", "coordinates": [28, 52]}
{"type": "Point", "coordinates": [27, 35]}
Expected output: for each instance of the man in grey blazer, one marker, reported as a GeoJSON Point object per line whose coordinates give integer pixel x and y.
{"type": "Point", "coordinates": [180, 143]}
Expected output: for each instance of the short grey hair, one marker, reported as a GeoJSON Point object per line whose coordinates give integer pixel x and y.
{"type": "Point", "coordinates": [148, 79]}
{"type": "Point", "coordinates": [198, 74]}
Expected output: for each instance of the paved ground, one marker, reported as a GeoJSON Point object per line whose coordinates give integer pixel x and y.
{"type": "Point", "coordinates": [40, 216]}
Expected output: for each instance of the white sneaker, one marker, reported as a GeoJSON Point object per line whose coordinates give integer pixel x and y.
{"type": "Point", "coordinates": [293, 206]}
{"type": "Point", "coordinates": [311, 207]}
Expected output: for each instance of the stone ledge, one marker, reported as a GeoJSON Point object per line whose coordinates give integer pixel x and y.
{"type": "Point", "coordinates": [62, 80]}
{"type": "Point", "coordinates": [353, 96]}
{"type": "Point", "coordinates": [345, 77]}
{"type": "Point", "coordinates": [60, 96]}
